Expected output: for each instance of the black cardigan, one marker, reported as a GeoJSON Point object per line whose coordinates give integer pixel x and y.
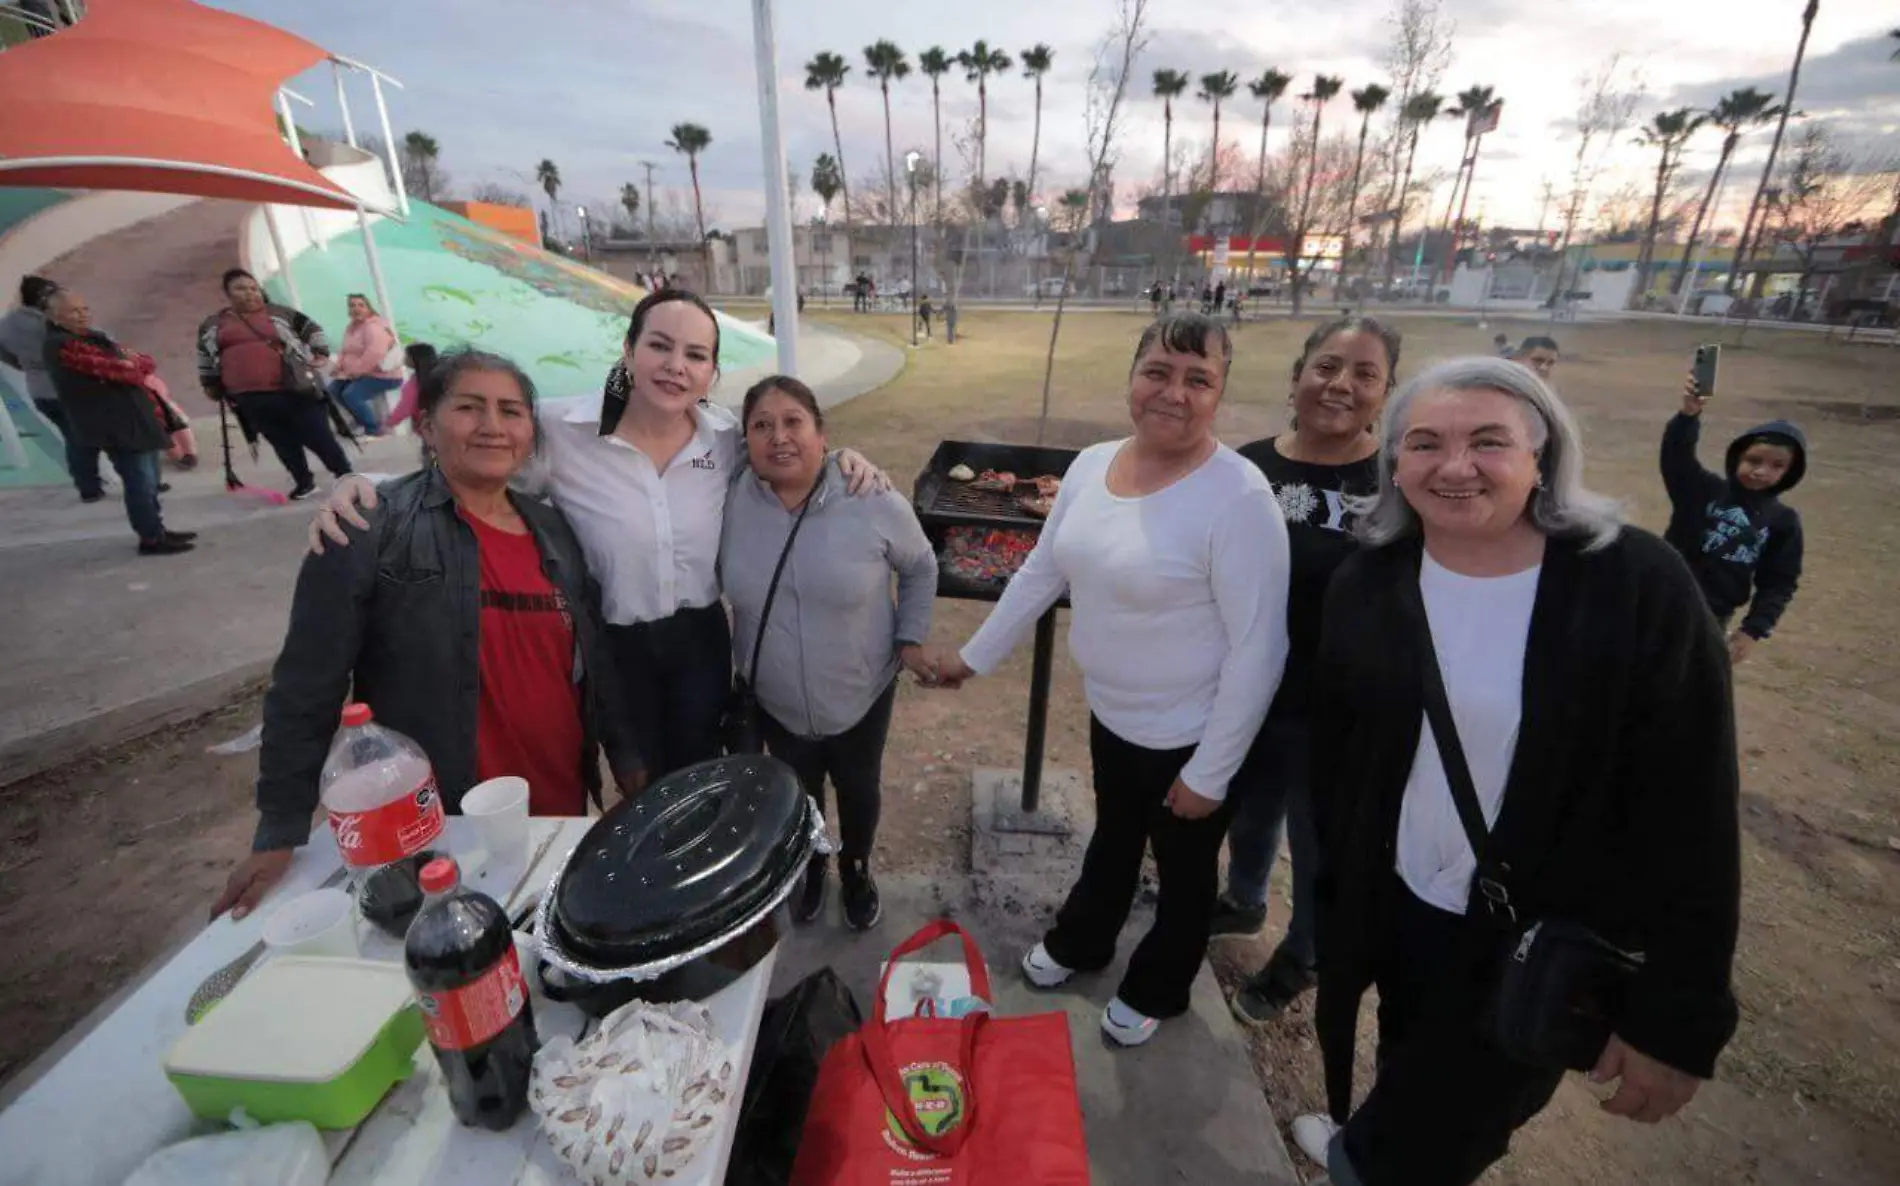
{"type": "Point", "coordinates": [1620, 811]}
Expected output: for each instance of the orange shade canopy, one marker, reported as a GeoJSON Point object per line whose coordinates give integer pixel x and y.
{"type": "Point", "coordinates": [164, 96]}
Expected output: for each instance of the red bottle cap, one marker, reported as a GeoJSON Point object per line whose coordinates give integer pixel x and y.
{"type": "Point", "coordinates": [439, 876]}
{"type": "Point", "coordinates": [356, 714]}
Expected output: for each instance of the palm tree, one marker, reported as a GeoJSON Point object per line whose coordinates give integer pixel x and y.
{"type": "Point", "coordinates": [936, 63]}
{"type": "Point", "coordinates": [1036, 62]}
{"type": "Point", "coordinates": [1214, 89]}
{"type": "Point", "coordinates": [884, 61]}
{"type": "Point", "coordinates": [1169, 85]}
{"type": "Point", "coordinates": [692, 140]}
{"type": "Point", "coordinates": [422, 149]}
{"type": "Point", "coordinates": [1474, 107]}
{"type": "Point", "coordinates": [1736, 110]}
{"type": "Point", "coordinates": [978, 63]}
{"type": "Point", "coordinates": [1366, 100]}
{"type": "Point", "coordinates": [1668, 132]}
{"type": "Point", "coordinates": [826, 73]}
{"type": "Point", "coordinates": [1325, 87]}
{"type": "Point", "coordinates": [630, 198]}
{"type": "Point", "coordinates": [1267, 88]}
{"type": "Point", "coordinates": [1418, 111]}
{"type": "Point", "coordinates": [549, 175]}
{"type": "Point", "coordinates": [1895, 56]}
{"type": "Point", "coordinates": [1742, 248]}
{"type": "Point", "coordinates": [827, 180]}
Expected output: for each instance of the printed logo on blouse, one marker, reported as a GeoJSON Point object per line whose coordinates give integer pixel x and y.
{"type": "Point", "coordinates": [936, 1096]}
{"type": "Point", "coordinates": [705, 461]}
{"type": "Point", "coordinates": [1300, 503]}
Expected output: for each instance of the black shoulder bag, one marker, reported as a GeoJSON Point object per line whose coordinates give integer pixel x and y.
{"type": "Point", "coordinates": [1560, 986]}
{"type": "Point", "coordinates": [740, 730]}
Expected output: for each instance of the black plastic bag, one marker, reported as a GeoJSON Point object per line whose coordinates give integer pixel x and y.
{"type": "Point", "coordinates": [795, 1033]}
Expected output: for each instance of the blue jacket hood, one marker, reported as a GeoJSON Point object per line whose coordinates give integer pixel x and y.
{"type": "Point", "coordinates": [1784, 432]}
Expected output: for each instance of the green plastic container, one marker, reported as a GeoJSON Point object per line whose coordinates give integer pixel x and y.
{"type": "Point", "coordinates": [301, 1038]}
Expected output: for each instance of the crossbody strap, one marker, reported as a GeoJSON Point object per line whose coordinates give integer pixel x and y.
{"type": "Point", "coordinates": [1451, 755]}
{"type": "Point", "coordinates": [771, 592]}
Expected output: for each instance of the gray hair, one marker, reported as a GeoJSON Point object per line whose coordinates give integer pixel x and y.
{"type": "Point", "coordinates": [1561, 507]}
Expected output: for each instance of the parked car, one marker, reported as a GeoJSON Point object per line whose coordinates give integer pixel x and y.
{"type": "Point", "coordinates": [1049, 286]}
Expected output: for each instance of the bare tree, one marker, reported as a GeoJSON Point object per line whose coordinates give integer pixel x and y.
{"type": "Point", "coordinates": [1606, 103]}
{"type": "Point", "coordinates": [1416, 59]}
{"type": "Point", "coordinates": [1825, 192]}
{"type": "Point", "coordinates": [1102, 113]}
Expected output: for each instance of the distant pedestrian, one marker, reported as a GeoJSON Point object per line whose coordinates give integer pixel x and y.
{"type": "Point", "coordinates": [923, 313]}
{"type": "Point", "coordinates": [1220, 296]}
{"type": "Point", "coordinates": [1154, 299]}
{"type": "Point", "coordinates": [1207, 298]}
{"type": "Point", "coordinates": [102, 388]}
{"type": "Point", "coordinates": [263, 358]}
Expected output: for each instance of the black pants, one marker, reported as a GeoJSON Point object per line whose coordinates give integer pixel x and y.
{"type": "Point", "coordinates": [1131, 813]}
{"type": "Point", "coordinates": [854, 759]}
{"type": "Point", "coordinates": [676, 675]}
{"type": "Point", "coordinates": [1445, 1102]}
{"type": "Point", "coordinates": [292, 422]}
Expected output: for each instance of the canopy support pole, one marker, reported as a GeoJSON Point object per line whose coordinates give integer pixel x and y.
{"type": "Point", "coordinates": [389, 143]}
{"type": "Point", "coordinates": [296, 146]}
{"type": "Point", "coordinates": [343, 103]}
{"type": "Point", "coordinates": [283, 257]}
{"type": "Point", "coordinates": [376, 272]}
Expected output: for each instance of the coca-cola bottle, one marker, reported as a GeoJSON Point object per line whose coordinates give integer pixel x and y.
{"type": "Point", "coordinates": [461, 959]}
{"type": "Point", "coordinates": [380, 792]}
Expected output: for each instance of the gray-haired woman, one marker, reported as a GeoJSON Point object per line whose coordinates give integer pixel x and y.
{"type": "Point", "coordinates": [1589, 691]}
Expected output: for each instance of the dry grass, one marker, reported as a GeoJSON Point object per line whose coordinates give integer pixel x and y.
{"type": "Point", "coordinates": [1809, 1084]}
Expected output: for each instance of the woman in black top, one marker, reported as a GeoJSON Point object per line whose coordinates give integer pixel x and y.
{"type": "Point", "coordinates": [1589, 690]}
{"type": "Point", "coordinates": [1340, 383]}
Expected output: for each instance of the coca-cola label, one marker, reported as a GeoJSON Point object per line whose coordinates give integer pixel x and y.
{"type": "Point", "coordinates": [465, 1017]}
{"type": "Point", "coordinates": [399, 828]}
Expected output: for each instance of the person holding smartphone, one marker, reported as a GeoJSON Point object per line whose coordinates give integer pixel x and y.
{"type": "Point", "coordinates": [1741, 541]}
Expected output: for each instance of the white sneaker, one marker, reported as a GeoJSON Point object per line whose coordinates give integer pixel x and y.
{"type": "Point", "coordinates": [1314, 1133]}
{"type": "Point", "coordinates": [1126, 1027]}
{"type": "Point", "coordinates": [1041, 969]}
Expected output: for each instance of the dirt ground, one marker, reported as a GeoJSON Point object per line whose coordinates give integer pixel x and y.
{"type": "Point", "coordinates": [102, 862]}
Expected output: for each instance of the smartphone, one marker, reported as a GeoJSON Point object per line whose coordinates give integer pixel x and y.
{"type": "Point", "coordinates": [1707, 359]}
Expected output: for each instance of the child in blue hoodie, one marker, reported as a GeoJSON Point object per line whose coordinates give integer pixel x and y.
{"type": "Point", "coordinates": [1741, 541]}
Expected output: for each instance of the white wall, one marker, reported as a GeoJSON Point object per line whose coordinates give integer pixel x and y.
{"type": "Point", "coordinates": [56, 230]}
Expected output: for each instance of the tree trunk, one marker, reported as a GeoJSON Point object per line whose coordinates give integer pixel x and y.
{"type": "Point", "coordinates": [936, 122]}
{"type": "Point", "coordinates": [1451, 207]}
{"type": "Point", "coordinates": [1167, 183]}
{"type": "Point", "coordinates": [1213, 162]}
{"type": "Point", "coordinates": [1260, 199]}
{"type": "Point", "coordinates": [837, 143]}
{"type": "Point", "coordinates": [1035, 145]}
{"type": "Point", "coordinates": [1398, 217]}
{"type": "Point", "coordinates": [982, 128]}
{"type": "Point", "coordinates": [1702, 210]}
{"type": "Point", "coordinates": [1742, 248]}
{"type": "Point", "coordinates": [1055, 332]}
{"type": "Point", "coordinates": [890, 160]}
{"type": "Point", "coordinates": [1352, 204]}
{"type": "Point", "coordinates": [1458, 224]}
{"type": "Point", "coordinates": [1306, 209]}
{"type": "Point", "coordinates": [1647, 258]}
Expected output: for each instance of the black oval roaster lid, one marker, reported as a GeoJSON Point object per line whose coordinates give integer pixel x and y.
{"type": "Point", "coordinates": [680, 863]}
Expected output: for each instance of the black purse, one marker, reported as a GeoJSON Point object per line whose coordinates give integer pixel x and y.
{"type": "Point", "coordinates": [740, 729]}
{"type": "Point", "coordinates": [1559, 986]}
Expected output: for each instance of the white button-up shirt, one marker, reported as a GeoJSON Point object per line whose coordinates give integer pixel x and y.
{"type": "Point", "coordinates": [651, 537]}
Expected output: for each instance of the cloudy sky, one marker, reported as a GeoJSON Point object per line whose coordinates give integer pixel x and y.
{"type": "Point", "coordinates": [596, 84]}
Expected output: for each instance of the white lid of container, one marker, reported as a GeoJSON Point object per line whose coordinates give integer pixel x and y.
{"type": "Point", "coordinates": [294, 1019]}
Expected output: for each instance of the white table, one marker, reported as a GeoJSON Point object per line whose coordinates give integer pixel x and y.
{"type": "Point", "coordinates": [91, 1117]}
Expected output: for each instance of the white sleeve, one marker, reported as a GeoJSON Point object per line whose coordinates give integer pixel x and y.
{"type": "Point", "coordinates": [1037, 585]}
{"type": "Point", "coordinates": [1251, 562]}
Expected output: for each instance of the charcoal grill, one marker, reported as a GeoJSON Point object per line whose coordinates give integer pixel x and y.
{"type": "Point", "coordinates": [942, 504]}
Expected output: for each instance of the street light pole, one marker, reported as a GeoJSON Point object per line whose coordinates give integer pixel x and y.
{"type": "Point", "coordinates": [910, 168]}
{"type": "Point", "coordinates": [778, 206]}
{"type": "Point", "coordinates": [587, 235]}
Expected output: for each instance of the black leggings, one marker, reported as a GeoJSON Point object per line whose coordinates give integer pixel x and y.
{"type": "Point", "coordinates": [676, 675]}
{"type": "Point", "coordinates": [1131, 815]}
{"type": "Point", "coordinates": [855, 761]}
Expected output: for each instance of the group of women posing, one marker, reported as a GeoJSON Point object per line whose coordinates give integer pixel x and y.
{"type": "Point", "coordinates": [1305, 583]}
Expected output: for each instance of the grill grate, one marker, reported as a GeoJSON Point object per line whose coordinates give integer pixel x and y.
{"type": "Point", "coordinates": [961, 499]}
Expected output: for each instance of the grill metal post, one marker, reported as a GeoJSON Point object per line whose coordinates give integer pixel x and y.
{"type": "Point", "coordinates": [1041, 669]}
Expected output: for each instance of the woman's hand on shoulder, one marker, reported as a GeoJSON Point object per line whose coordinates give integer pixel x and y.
{"type": "Point", "coordinates": [349, 493]}
{"type": "Point", "coordinates": [860, 476]}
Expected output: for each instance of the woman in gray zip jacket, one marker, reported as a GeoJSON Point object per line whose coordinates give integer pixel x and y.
{"type": "Point", "coordinates": [834, 639]}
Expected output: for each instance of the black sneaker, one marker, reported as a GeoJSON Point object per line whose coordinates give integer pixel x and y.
{"type": "Point", "coordinates": [164, 546]}
{"type": "Point", "coordinates": [1232, 920]}
{"type": "Point", "coordinates": [93, 496]}
{"type": "Point", "coordinates": [183, 537]}
{"type": "Point", "coordinates": [164, 487]}
{"type": "Point", "coordinates": [1269, 991]}
{"type": "Point", "coordinates": [304, 490]}
{"type": "Point", "coordinates": [808, 901]}
{"type": "Point", "coordinates": [861, 906]}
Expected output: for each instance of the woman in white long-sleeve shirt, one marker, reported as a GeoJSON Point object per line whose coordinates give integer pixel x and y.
{"type": "Point", "coordinates": [1174, 554]}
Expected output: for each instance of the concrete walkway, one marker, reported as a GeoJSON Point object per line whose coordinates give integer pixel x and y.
{"type": "Point", "coordinates": [102, 645]}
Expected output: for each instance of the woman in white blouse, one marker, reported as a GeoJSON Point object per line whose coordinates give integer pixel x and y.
{"type": "Point", "coordinates": [1174, 554]}
{"type": "Point", "coordinates": [641, 469]}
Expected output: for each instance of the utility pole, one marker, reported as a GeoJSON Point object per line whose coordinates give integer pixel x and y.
{"type": "Point", "coordinates": [778, 206]}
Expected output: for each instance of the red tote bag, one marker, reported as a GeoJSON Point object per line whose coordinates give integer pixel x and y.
{"type": "Point", "coordinates": [929, 1101]}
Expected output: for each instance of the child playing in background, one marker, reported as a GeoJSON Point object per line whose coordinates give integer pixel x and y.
{"type": "Point", "coordinates": [421, 357]}
{"type": "Point", "coordinates": [1741, 541]}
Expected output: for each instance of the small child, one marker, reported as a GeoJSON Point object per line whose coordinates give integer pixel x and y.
{"type": "Point", "coordinates": [1501, 344]}
{"type": "Point", "coordinates": [421, 358]}
{"type": "Point", "coordinates": [1742, 543]}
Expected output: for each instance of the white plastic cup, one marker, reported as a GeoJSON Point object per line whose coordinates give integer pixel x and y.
{"type": "Point", "coordinates": [321, 922]}
{"type": "Point", "coordinates": [499, 810]}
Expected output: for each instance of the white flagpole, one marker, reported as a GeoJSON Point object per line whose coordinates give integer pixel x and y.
{"type": "Point", "coordinates": [778, 206]}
